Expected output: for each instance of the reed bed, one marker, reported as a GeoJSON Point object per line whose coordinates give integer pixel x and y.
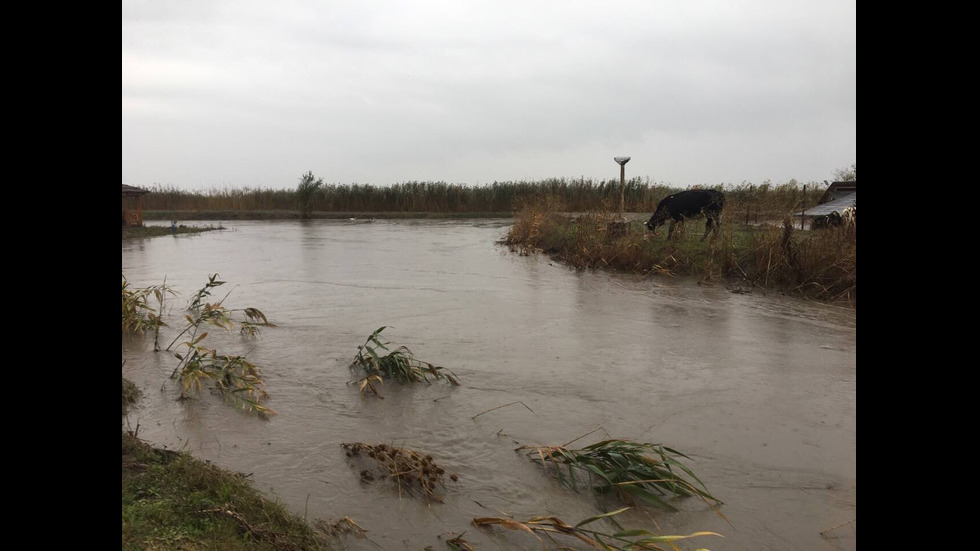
{"type": "Point", "coordinates": [635, 471]}
{"type": "Point", "coordinates": [577, 195]}
{"type": "Point", "coordinates": [413, 471]}
{"type": "Point", "coordinates": [817, 264]}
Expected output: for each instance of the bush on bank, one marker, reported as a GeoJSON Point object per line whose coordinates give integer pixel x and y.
{"type": "Point", "coordinates": [816, 264]}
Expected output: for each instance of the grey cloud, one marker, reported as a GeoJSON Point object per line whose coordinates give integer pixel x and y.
{"type": "Point", "coordinates": [254, 93]}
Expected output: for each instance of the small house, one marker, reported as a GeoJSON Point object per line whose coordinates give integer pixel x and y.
{"type": "Point", "coordinates": [831, 205]}
{"type": "Point", "coordinates": [132, 209]}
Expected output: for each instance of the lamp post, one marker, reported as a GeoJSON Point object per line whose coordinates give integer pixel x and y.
{"type": "Point", "coordinates": [622, 185]}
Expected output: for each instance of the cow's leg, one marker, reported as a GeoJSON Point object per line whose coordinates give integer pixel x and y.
{"type": "Point", "coordinates": [670, 230]}
{"type": "Point", "coordinates": [707, 227]}
{"type": "Point", "coordinates": [716, 219]}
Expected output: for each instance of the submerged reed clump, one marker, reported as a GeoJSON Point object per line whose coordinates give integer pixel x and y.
{"type": "Point", "coordinates": [236, 378]}
{"type": "Point", "coordinates": [457, 543]}
{"type": "Point", "coordinates": [340, 528]}
{"type": "Point", "coordinates": [400, 365]}
{"type": "Point", "coordinates": [130, 394]}
{"type": "Point", "coordinates": [137, 314]}
{"type": "Point", "coordinates": [413, 471]}
{"type": "Point", "coordinates": [254, 319]}
{"type": "Point", "coordinates": [634, 470]}
{"type": "Point", "coordinates": [216, 314]}
{"type": "Point", "coordinates": [622, 540]}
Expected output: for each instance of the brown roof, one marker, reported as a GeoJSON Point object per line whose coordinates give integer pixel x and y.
{"type": "Point", "coordinates": [133, 191]}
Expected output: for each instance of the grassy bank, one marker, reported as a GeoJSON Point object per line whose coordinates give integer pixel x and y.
{"type": "Point", "coordinates": [136, 232]}
{"type": "Point", "coordinates": [171, 500]}
{"type": "Point", "coordinates": [817, 264]}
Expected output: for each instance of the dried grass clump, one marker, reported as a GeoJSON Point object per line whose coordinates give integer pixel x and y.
{"type": "Point", "coordinates": [413, 471]}
{"type": "Point", "coordinates": [817, 264]}
{"type": "Point", "coordinates": [621, 540]}
{"type": "Point", "coordinates": [340, 528]}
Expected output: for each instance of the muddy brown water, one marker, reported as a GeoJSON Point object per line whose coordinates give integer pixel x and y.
{"type": "Point", "coordinates": [758, 389]}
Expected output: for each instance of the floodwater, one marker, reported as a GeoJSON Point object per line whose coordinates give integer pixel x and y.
{"type": "Point", "coordinates": [759, 390]}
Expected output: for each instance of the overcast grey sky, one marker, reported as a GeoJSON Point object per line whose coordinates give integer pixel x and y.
{"type": "Point", "coordinates": [255, 93]}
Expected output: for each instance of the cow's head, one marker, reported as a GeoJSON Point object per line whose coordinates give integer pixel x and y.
{"type": "Point", "coordinates": [658, 219]}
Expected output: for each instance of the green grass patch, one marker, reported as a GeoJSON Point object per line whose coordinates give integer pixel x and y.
{"type": "Point", "coordinates": [171, 500]}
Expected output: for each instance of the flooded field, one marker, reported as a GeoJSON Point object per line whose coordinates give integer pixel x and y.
{"type": "Point", "coordinates": [758, 389]}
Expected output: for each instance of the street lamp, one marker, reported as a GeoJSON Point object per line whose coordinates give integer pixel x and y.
{"type": "Point", "coordinates": [622, 185]}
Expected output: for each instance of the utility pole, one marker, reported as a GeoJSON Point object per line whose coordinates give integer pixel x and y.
{"type": "Point", "coordinates": [803, 212]}
{"type": "Point", "coordinates": [622, 185]}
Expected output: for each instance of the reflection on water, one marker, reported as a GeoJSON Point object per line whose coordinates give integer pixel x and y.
{"type": "Point", "coordinates": [760, 391]}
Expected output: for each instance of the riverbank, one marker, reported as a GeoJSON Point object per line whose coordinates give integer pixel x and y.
{"type": "Point", "coordinates": [136, 232]}
{"type": "Point", "coordinates": [819, 265]}
{"type": "Point", "coordinates": [294, 215]}
{"type": "Point", "coordinates": [170, 500]}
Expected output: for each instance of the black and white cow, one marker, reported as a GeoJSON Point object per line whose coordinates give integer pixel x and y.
{"type": "Point", "coordinates": [688, 204]}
